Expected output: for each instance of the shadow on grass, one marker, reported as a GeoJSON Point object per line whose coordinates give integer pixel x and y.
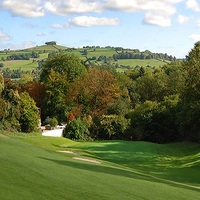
{"type": "Point", "coordinates": [176, 162]}
{"type": "Point", "coordinates": [97, 168]}
{"type": "Point", "coordinates": [118, 172]}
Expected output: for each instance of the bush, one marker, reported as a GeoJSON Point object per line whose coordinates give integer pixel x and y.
{"type": "Point", "coordinates": [53, 122]}
{"type": "Point", "coordinates": [76, 130]}
{"type": "Point", "coordinates": [110, 127]}
{"type": "Point", "coordinates": [29, 118]}
{"type": "Point", "coordinates": [1, 65]}
{"type": "Point", "coordinates": [155, 122]}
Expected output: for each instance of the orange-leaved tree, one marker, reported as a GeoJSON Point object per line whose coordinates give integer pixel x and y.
{"type": "Point", "coordinates": [91, 93]}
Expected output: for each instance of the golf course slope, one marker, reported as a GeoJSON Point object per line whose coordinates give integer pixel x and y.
{"type": "Point", "coordinates": [36, 167]}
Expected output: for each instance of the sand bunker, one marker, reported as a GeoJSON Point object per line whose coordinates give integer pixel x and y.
{"type": "Point", "coordinates": [79, 158]}
{"type": "Point", "coordinates": [87, 160]}
{"type": "Point", "coordinates": [69, 152]}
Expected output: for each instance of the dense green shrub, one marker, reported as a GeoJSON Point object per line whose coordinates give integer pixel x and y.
{"type": "Point", "coordinates": [154, 121]}
{"type": "Point", "coordinates": [53, 122]}
{"type": "Point", "coordinates": [76, 130]}
{"type": "Point", "coordinates": [110, 127]}
{"type": "Point", "coordinates": [29, 118]}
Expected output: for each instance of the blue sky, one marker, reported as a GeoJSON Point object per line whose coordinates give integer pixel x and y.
{"type": "Point", "coordinates": [163, 26]}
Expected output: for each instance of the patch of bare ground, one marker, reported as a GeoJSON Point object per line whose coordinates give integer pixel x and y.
{"type": "Point", "coordinates": [11, 62]}
{"type": "Point", "coordinates": [3, 136]}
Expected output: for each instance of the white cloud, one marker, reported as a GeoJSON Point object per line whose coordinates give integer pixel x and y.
{"type": "Point", "coordinates": [159, 20]}
{"type": "Point", "coordinates": [156, 12]}
{"type": "Point", "coordinates": [61, 7]}
{"type": "Point", "coordinates": [24, 8]}
{"type": "Point", "coordinates": [183, 19]}
{"type": "Point", "coordinates": [66, 25]}
{"type": "Point", "coordinates": [193, 4]}
{"type": "Point", "coordinates": [28, 44]}
{"type": "Point", "coordinates": [195, 37]}
{"type": "Point", "coordinates": [85, 21]}
{"type": "Point", "coordinates": [141, 5]}
{"type": "Point", "coordinates": [40, 34]}
{"type": "Point", "coordinates": [4, 36]}
{"type": "Point", "coordinates": [24, 45]}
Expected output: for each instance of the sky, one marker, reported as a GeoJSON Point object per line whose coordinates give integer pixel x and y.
{"type": "Point", "coordinates": [161, 26]}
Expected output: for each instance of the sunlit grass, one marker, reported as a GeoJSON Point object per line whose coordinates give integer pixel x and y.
{"type": "Point", "coordinates": [176, 162]}
{"type": "Point", "coordinates": [32, 168]}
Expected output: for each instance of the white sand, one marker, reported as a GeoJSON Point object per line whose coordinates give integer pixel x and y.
{"type": "Point", "coordinates": [69, 152]}
{"type": "Point", "coordinates": [87, 160]}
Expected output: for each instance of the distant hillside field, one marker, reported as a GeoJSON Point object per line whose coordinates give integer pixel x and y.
{"type": "Point", "coordinates": [95, 56]}
{"type": "Point", "coordinates": [36, 167]}
{"type": "Point", "coordinates": [47, 48]}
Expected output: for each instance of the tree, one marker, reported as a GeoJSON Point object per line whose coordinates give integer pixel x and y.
{"type": "Point", "coordinates": [50, 43]}
{"type": "Point", "coordinates": [68, 65]}
{"type": "Point", "coordinates": [26, 78]}
{"type": "Point", "coordinates": [36, 91]}
{"type": "Point", "coordinates": [29, 119]}
{"type": "Point", "coordinates": [70, 117]}
{"type": "Point", "coordinates": [175, 77]}
{"type": "Point", "coordinates": [155, 122]}
{"type": "Point", "coordinates": [57, 73]}
{"type": "Point", "coordinates": [110, 127]}
{"type": "Point", "coordinates": [3, 106]}
{"type": "Point", "coordinates": [189, 116]}
{"type": "Point", "coordinates": [92, 92]}
{"type": "Point", "coordinates": [10, 106]}
{"type": "Point", "coordinates": [1, 84]}
{"type": "Point", "coordinates": [129, 97]}
{"type": "Point", "coordinates": [53, 102]}
{"type": "Point", "coordinates": [152, 86]}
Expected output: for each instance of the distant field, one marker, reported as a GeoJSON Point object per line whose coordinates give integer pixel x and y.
{"type": "Point", "coordinates": [91, 52]}
{"type": "Point", "coordinates": [139, 62]}
{"type": "Point", "coordinates": [25, 65]}
{"type": "Point", "coordinates": [32, 168]}
{"type": "Point", "coordinates": [47, 48]}
{"type": "Point", "coordinates": [101, 52]}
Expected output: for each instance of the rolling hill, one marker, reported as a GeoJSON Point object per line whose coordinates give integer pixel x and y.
{"type": "Point", "coordinates": [94, 56]}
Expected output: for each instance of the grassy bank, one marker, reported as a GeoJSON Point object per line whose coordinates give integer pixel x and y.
{"type": "Point", "coordinates": [32, 168]}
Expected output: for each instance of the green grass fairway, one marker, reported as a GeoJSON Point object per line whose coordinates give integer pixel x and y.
{"type": "Point", "coordinates": [179, 162]}
{"type": "Point", "coordinates": [31, 168]}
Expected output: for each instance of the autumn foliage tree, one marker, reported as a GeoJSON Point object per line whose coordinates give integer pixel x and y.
{"type": "Point", "coordinates": [70, 117]}
{"type": "Point", "coordinates": [35, 90]}
{"type": "Point", "coordinates": [91, 93]}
